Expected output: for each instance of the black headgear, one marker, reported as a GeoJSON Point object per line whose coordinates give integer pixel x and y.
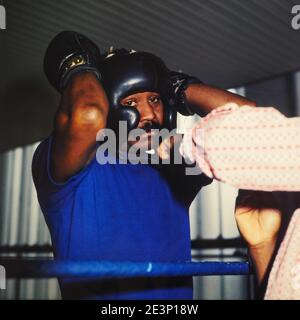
{"type": "Point", "coordinates": [128, 72]}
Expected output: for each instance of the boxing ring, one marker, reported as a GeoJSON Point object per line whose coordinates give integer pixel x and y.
{"type": "Point", "coordinates": [19, 267]}
{"type": "Point", "coordinates": [113, 269]}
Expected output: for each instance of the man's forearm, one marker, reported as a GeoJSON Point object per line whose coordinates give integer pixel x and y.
{"type": "Point", "coordinates": [204, 98]}
{"type": "Point", "coordinates": [82, 113]}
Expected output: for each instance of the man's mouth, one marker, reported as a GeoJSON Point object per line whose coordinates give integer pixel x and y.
{"type": "Point", "coordinates": [150, 126]}
{"type": "Point", "coordinates": [145, 139]}
{"type": "Point", "coordinates": [144, 143]}
{"type": "Point", "coordinates": [151, 129]}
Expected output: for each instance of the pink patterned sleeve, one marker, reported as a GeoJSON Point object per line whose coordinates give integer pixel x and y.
{"type": "Point", "coordinates": [284, 279]}
{"type": "Point", "coordinates": [249, 148]}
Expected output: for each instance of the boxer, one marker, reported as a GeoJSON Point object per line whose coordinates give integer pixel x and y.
{"type": "Point", "coordinates": [117, 212]}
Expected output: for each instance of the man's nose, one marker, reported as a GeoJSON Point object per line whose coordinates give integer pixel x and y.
{"type": "Point", "coordinates": [146, 112]}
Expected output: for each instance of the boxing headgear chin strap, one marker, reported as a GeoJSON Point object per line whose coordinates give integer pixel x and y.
{"type": "Point", "coordinates": [125, 73]}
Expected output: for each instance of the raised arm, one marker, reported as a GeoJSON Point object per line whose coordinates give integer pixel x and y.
{"type": "Point", "coordinates": [72, 66]}
{"type": "Point", "coordinates": [193, 96]}
{"type": "Point", "coordinates": [204, 98]}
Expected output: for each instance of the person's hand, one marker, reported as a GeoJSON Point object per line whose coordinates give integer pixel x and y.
{"type": "Point", "coordinates": [258, 218]}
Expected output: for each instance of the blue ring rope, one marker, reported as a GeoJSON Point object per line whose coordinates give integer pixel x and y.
{"type": "Point", "coordinates": [109, 269]}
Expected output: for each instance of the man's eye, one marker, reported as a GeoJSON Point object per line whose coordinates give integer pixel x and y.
{"type": "Point", "coordinates": [154, 99]}
{"type": "Point", "coordinates": [129, 103]}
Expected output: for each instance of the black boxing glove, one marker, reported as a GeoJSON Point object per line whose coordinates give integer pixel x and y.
{"type": "Point", "coordinates": [68, 54]}
{"type": "Point", "coordinates": [180, 82]}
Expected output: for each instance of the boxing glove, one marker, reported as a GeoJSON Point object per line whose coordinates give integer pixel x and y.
{"type": "Point", "coordinates": [68, 54]}
{"type": "Point", "coordinates": [180, 82]}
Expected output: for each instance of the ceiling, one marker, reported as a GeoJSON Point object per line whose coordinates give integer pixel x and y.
{"type": "Point", "coordinates": [225, 43]}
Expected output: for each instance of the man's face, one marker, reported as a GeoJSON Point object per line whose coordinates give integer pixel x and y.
{"type": "Point", "coordinates": [150, 108]}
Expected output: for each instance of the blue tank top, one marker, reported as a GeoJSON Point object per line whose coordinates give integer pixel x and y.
{"type": "Point", "coordinates": [117, 212]}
